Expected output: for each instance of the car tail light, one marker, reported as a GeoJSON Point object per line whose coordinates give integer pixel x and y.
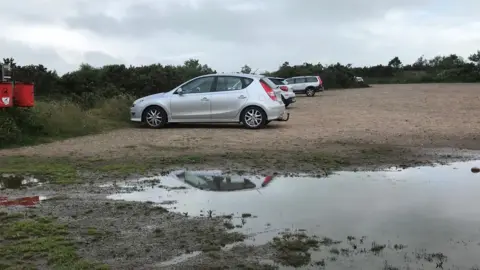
{"type": "Point", "coordinates": [284, 88]}
{"type": "Point", "coordinates": [268, 90]}
{"type": "Point", "coordinates": [319, 80]}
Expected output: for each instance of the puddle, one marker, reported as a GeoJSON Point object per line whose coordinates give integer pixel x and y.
{"type": "Point", "coordinates": [23, 201]}
{"type": "Point", "coordinates": [11, 181]}
{"type": "Point", "coordinates": [399, 218]}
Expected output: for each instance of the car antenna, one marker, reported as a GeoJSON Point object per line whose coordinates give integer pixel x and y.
{"type": "Point", "coordinates": [255, 71]}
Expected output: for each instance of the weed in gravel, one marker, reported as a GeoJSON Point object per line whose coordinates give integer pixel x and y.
{"type": "Point", "coordinates": [328, 241]}
{"type": "Point", "coordinates": [376, 248]}
{"type": "Point", "coordinates": [387, 266]}
{"type": "Point", "coordinates": [228, 225]}
{"type": "Point", "coordinates": [335, 251]}
{"type": "Point", "coordinates": [215, 240]}
{"type": "Point", "coordinates": [27, 243]}
{"type": "Point", "coordinates": [292, 249]}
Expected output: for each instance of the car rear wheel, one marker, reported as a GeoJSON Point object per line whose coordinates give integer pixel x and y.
{"type": "Point", "coordinates": [155, 117]}
{"type": "Point", "coordinates": [254, 118]}
{"type": "Point", "coordinates": [310, 92]}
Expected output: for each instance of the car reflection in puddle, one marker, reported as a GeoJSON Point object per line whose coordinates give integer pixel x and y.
{"type": "Point", "coordinates": [215, 182]}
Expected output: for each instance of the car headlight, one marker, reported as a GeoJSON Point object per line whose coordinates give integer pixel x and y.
{"type": "Point", "coordinates": [137, 102]}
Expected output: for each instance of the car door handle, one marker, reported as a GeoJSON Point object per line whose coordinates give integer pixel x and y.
{"type": "Point", "coordinates": [242, 97]}
{"type": "Point", "coordinates": [205, 99]}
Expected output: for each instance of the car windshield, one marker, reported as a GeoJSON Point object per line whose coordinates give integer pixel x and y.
{"type": "Point", "coordinates": [277, 81]}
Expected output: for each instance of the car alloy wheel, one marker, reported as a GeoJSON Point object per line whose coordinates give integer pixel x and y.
{"type": "Point", "coordinates": [253, 118]}
{"type": "Point", "coordinates": [154, 117]}
{"type": "Point", "coordinates": [310, 92]}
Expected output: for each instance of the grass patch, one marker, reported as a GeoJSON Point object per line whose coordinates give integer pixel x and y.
{"type": "Point", "coordinates": [59, 171]}
{"type": "Point", "coordinates": [28, 243]}
{"type": "Point", "coordinates": [54, 120]}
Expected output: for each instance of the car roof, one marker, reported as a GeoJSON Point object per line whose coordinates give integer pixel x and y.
{"type": "Point", "coordinates": [250, 76]}
{"type": "Point", "coordinates": [304, 76]}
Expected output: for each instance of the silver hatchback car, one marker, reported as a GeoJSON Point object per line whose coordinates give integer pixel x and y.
{"type": "Point", "coordinates": [253, 100]}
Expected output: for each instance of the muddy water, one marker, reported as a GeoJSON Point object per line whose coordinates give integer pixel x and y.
{"type": "Point", "coordinates": [424, 210]}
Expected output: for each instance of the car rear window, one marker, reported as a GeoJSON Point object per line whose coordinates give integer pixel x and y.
{"type": "Point", "coordinates": [277, 81]}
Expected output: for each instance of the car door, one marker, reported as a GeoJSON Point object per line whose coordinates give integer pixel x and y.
{"type": "Point", "coordinates": [193, 104]}
{"type": "Point", "coordinates": [228, 97]}
{"type": "Point", "coordinates": [299, 84]}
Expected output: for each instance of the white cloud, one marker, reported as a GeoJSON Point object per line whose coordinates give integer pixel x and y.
{"type": "Point", "coordinates": [230, 33]}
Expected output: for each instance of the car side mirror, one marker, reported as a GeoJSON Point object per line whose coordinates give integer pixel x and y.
{"type": "Point", "coordinates": [180, 91]}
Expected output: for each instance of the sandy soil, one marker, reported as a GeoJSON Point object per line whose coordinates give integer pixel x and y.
{"type": "Point", "coordinates": [431, 115]}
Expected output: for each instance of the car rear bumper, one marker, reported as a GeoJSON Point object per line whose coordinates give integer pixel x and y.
{"type": "Point", "coordinates": [284, 117]}
{"type": "Point", "coordinates": [276, 111]}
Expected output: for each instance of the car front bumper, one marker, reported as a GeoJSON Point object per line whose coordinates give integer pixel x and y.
{"type": "Point", "coordinates": [289, 97]}
{"type": "Point", "coordinates": [136, 114]}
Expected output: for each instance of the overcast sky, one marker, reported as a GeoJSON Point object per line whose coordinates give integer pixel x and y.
{"type": "Point", "coordinates": [227, 34]}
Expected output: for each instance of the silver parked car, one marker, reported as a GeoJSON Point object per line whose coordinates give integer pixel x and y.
{"type": "Point", "coordinates": [308, 85]}
{"type": "Point", "coordinates": [216, 98]}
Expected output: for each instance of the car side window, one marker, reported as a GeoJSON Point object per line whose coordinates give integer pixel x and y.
{"type": "Point", "coordinates": [312, 79]}
{"type": "Point", "coordinates": [290, 81]}
{"type": "Point", "coordinates": [300, 80]}
{"type": "Point", "coordinates": [247, 82]}
{"type": "Point", "coordinates": [225, 83]}
{"type": "Point", "coordinates": [201, 85]}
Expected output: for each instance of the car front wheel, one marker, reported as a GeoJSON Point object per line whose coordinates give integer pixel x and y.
{"type": "Point", "coordinates": [155, 117]}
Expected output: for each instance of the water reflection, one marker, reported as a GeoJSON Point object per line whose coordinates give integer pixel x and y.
{"type": "Point", "coordinates": [425, 209]}
{"type": "Point", "coordinates": [215, 182]}
{"type": "Point", "coordinates": [11, 181]}
{"type": "Point", "coordinates": [24, 201]}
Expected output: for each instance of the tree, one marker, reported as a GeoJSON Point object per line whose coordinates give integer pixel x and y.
{"type": "Point", "coordinates": [246, 69]}
{"type": "Point", "coordinates": [475, 58]}
{"type": "Point", "coordinates": [395, 63]}
{"type": "Point", "coordinates": [420, 63]}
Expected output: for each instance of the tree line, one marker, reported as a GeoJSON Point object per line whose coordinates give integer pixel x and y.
{"type": "Point", "coordinates": [87, 83]}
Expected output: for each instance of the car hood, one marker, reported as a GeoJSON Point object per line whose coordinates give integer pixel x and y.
{"type": "Point", "coordinates": [159, 95]}
{"type": "Point", "coordinates": [154, 96]}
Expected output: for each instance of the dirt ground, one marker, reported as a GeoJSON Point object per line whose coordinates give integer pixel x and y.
{"type": "Point", "coordinates": [430, 115]}
{"type": "Point", "coordinates": [401, 125]}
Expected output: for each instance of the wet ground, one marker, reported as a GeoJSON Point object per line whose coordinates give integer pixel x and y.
{"type": "Point", "coordinates": [413, 218]}
{"type": "Point", "coordinates": [422, 218]}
